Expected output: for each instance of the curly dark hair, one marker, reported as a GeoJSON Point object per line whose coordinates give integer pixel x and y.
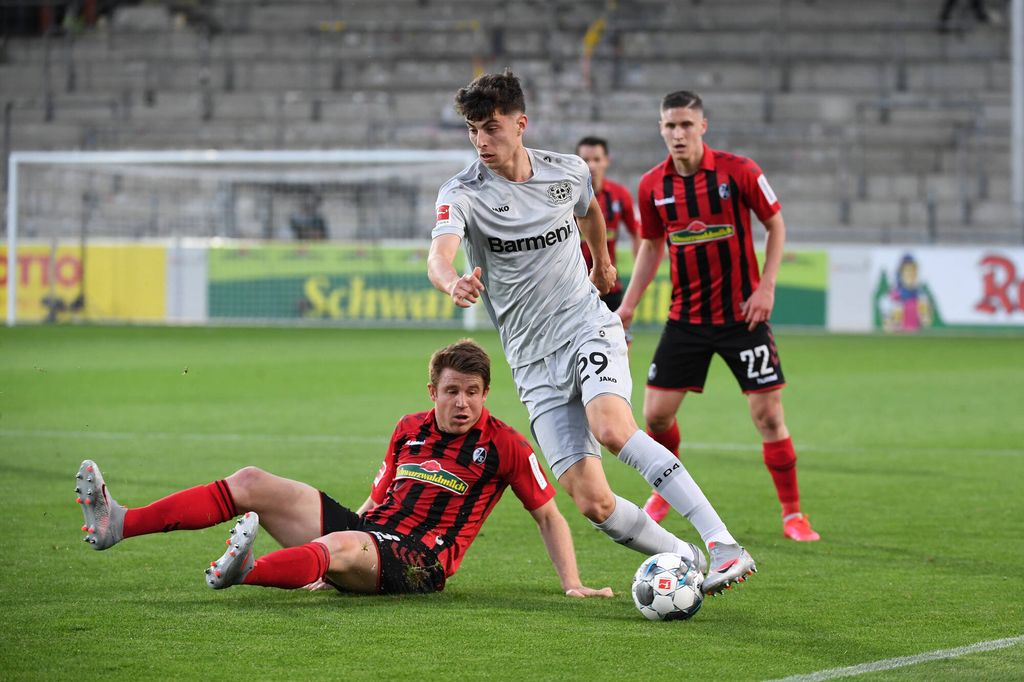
{"type": "Point", "coordinates": [465, 356]}
{"type": "Point", "coordinates": [490, 93]}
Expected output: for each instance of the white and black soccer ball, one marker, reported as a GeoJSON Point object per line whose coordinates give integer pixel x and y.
{"type": "Point", "coordinates": [667, 587]}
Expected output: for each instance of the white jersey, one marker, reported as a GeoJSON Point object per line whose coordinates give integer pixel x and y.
{"type": "Point", "coordinates": [523, 235]}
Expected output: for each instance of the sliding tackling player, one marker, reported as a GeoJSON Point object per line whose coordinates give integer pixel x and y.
{"type": "Point", "coordinates": [444, 471]}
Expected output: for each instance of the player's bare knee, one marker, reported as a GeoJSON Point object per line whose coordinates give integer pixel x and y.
{"type": "Point", "coordinates": [245, 485]}
{"type": "Point", "coordinates": [596, 508]}
{"type": "Point", "coordinates": [613, 435]}
{"type": "Point", "coordinates": [344, 548]}
{"type": "Point", "coordinates": [768, 418]}
{"type": "Point", "coordinates": [657, 422]}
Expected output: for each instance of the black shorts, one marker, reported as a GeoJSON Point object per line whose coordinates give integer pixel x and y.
{"type": "Point", "coordinates": [613, 299]}
{"type": "Point", "coordinates": [405, 565]}
{"type": "Point", "coordinates": [684, 354]}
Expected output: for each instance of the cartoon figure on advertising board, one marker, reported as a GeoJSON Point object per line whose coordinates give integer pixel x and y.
{"type": "Point", "coordinates": [906, 305]}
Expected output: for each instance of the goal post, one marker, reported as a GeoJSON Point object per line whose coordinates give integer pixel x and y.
{"type": "Point", "coordinates": [307, 236]}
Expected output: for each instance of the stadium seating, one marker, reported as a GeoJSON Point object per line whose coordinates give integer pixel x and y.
{"type": "Point", "coordinates": [867, 120]}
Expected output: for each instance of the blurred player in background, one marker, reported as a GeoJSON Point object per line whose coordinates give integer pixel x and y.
{"type": "Point", "coordinates": [699, 200]}
{"type": "Point", "coordinates": [517, 209]}
{"type": "Point", "coordinates": [616, 207]}
{"type": "Point", "coordinates": [443, 473]}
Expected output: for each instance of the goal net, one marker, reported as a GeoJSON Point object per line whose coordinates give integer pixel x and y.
{"type": "Point", "coordinates": [317, 237]}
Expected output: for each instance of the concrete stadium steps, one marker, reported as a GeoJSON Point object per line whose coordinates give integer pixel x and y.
{"type": "Point", "coordinates": [856, 111]}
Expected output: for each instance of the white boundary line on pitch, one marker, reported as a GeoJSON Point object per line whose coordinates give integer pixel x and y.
{"type": "Point", "coordinates": [336, 439]}
{"type": "Point", "coordinates": [903, 661]}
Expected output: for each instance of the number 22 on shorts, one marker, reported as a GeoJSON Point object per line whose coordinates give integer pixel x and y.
{"type": "Point", "coordinates": [751, 357]}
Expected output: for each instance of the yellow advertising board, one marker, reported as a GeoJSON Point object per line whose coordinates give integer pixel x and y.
{"type": "Point", "coordinates": [105, 282]}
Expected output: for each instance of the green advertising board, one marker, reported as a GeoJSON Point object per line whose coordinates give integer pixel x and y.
{"type": "Point", "coordinates": [799, 292]}
{"type": "Point", "coordinates": [387, 284]}
{"type": "Point", "coordinates": [355, 283]}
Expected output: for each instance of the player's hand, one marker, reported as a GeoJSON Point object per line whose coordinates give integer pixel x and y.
{"type": "Point", "coordinates": [466, 289]}
{"type": "Point", "coordinates": [583, 591]}
{"type": "Point", "coordinates": [320, 584]}
{"type": "Point", "coordinates": [626, 315]}
{"type": "Point", "coordinates": [758, 308]}
{"type": "Point", "coordinates": [603, 277]}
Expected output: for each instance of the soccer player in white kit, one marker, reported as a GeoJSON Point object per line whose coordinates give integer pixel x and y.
{"type": "Point", "coordinates": [517, 210]}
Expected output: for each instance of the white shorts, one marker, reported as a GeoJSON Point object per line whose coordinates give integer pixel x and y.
{"type": "Point", "coordinates": [556, 389]}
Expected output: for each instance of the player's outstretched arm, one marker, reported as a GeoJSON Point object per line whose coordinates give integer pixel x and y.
{"type": "Point", "coordinates": [648, 259]}
{"type": "Point", "coordinates": [464, 290]}
{"type": "Point", "coordinates": [558, 540]}
{"type": "Point", "coordinates": [758, 308]}
{"type": "Point", "coordinates": [594, 230]}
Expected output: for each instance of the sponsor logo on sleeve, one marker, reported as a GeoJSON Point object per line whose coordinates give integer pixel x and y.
{"type": "Point", "coordinates": [380, 473]}
{"type": "Point", "coordinates": [433, 473]}
{"type": "Point", "coordinates": [766, 189]}
{"type": "Point", "coordinates": [443, 214]}
{"type": "Point", "coordinates": [537, 473]}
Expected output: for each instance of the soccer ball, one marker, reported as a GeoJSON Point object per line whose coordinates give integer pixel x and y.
{"type": "Point", "coordinates": [667, 587]}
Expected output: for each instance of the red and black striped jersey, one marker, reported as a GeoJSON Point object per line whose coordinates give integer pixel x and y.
{"type": "Point", "coordinates": [617, 207]}
{"type": "Point", "coordinates": [705, 219]}
{"type": "Point", "coordinates": [438, 488]}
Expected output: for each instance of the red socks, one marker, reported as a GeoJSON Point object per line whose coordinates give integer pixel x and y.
{"type": "Point", "coordinates": [669, 439]}
{"type": "Point", "coordinates": [780, 458]}
{"type": "Point", "coordinates": [199, 507]}
{"type": "Point", "coordinates": [291, 568]}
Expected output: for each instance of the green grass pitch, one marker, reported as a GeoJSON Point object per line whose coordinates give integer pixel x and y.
{"type": "Point", "coordinates": [911, 467]}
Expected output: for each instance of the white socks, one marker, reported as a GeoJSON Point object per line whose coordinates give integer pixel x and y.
{"type": "Point", "coordinates": [671, 480]}
{"type": "Point", "coordinates": [630, 525]}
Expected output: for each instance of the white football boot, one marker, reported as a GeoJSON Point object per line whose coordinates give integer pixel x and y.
{"type": "Point", "coordinates": [237, 560]}
{"type": "Point", "coordinates": [104, 517]}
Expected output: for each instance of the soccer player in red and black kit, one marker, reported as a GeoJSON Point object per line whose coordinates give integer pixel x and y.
{"type": "Point", "coordinates": [616, 207]}
{"type": "Point", "coordinates": [444, 471]}
{"type": "Point", "coordinates": [699, 201]}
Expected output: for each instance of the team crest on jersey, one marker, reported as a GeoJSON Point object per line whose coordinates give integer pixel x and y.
{"type": "Point", "coordinates": [433, 473]}
{"type": "Point", "coordinates": [699, 231]}
{"type": "Point", "coordinates": [560, 192]}
{"type": "Point", "coordinates": [479, 455]}
{"type": "Point", "coordinates": [723, 190]}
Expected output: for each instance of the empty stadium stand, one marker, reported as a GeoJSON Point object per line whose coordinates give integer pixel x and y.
{"type": "Point", "coordinates": [871, 124]}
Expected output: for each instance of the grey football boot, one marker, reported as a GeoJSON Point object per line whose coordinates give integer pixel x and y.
{"type": "Point", "coordinates": [104, 517]}
{"type": "Point", "coordinates": [730, 564]}
{"type": "Point", "coordinates": [237, 560]}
